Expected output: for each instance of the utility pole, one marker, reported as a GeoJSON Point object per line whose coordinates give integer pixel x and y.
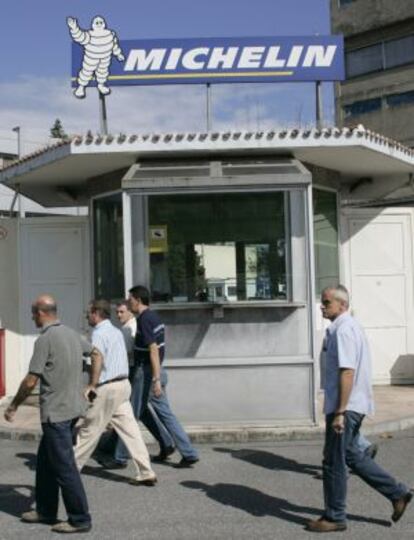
{"type": "Point", "coordinates": [102, 114]}
{"type": "Point", "coordinates": [319, 113]}
{"type": "Point", "coordinates": [17, 130]}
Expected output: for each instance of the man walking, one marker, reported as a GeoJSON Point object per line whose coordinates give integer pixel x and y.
{"type": "Point", "coordinates": [149, 418]}
{"type": "Point", "coordinates": [110, 391]}
{"type": "Point", "coordinates": [348, 398]}
{"type": "Point", "coordinates": [149, 386]}
{"type": "Point", "coordinates": [128, 328]}
{"type": "Point", "coordinates": [57, 363]}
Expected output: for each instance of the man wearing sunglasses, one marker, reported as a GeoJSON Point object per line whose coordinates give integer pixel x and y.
{"type": "Point", "coordinates": [348, 399]}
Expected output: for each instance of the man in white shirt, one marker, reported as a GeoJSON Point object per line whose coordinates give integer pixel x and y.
{"type": "Point", "coordinates": [128, 328]}
{"type": "Point", "coordinates": [348, 398]}
{"type": "Point", "coordinates": [110, 391]}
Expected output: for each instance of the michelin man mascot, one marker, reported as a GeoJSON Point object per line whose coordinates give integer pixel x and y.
{"type": "Point", "coordinates": [99, 45]}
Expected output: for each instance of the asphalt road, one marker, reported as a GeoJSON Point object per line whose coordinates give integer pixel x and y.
{"type": "Point", "coordinates": [247, 491]}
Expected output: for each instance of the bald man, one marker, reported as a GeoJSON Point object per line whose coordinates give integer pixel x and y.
{"type": "Point", "coordinates": [58, 364]}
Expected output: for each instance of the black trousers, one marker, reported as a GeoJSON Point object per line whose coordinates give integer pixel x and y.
{"type": "Point", "coordinates": [56, 468]}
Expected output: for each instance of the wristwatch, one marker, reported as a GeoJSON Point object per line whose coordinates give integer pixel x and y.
{"type": "Point", "coordinates": [156, 379]}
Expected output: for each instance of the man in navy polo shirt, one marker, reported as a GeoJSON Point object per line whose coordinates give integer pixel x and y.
{"type": "Point", "coordinates": [150, 381]}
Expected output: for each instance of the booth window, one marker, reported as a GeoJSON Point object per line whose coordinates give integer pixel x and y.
{"type": "Point", "coordinates": [108, 247]}
{"type": "Point", "coordinates": [218, 247]}
{"type": "Point", "coordinates": [325, 223]}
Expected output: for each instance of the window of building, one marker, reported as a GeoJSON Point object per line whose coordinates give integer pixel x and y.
{"type": "Point", "coordinates": [397, 100]}
{"type": "Point", "coordinates": [108, 247]}
{"type": "Point", "coordinates": [325, 225]}
{"type": "Point", "coordinates": [364, 60]}
{"type": "Point", "coordinates": [380, 56]}
{"type": "Point", "coordinates": [345, 2]}
{"type": "Point", "coordinates": [362, 107]}
{"type": "Point", "coordinates": [218, 247]}
{"type": "Point", "coordinates": [398, 52]}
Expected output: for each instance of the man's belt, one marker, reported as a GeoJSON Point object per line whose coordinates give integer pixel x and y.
{"type": "Point", "coordinates": [116, 379]}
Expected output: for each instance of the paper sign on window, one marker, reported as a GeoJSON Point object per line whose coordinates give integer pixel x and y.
{"type": "Point", "coordinates": [158, 237]}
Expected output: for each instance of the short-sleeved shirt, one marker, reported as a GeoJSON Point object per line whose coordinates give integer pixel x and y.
{"type": "Point", "coordinates": [150, 330]}
{"type": "Point", "coordinates": [347, 348]}
{"type": "Point", "coordinates": [110, 343]}
{"type": "Point", "coordinates": [58, 360]}
{"type": "Point", "coordinates": [129, 329]}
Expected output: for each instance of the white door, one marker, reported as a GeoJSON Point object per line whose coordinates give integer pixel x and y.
{"type": "Point", "coordinates": [54, 259]}
{"type": "Point", "coordinates": [382, 290]}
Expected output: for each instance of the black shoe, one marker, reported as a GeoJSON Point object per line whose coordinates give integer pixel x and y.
{"type": "Point", "coordinates": [400, 505]}
{"type": "Point", "coordinates": [111, 464]}
{"type": "Point", "coordinates": [372, 451]}
{"type": "Point", "coordinates": [186, 463]}
{"type": "Point", "coordinates": [149, 482]}
{"type": "Point", "coordinates": [163, 455]}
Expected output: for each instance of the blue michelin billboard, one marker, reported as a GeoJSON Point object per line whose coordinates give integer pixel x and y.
{"type": "Point", "coordinates": [210, 60]}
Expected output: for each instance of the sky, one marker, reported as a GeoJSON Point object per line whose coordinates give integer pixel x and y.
{"type": "Point", "coordinates": [36, 64]}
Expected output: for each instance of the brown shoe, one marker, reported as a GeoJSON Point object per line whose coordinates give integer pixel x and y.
{"type": "Point", "coordinates": [400, 505]}
{"type": "Point", "coordinates": [150, 482]}
{"type": "Point", "coordinates": [322, 525]}
{"type": "Point", "coordinates": [34, 517]}
{"type": "Point", "coordinates": [66, 528]}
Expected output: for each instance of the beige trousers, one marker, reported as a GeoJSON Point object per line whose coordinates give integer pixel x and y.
{"type": "Point", "coordinates": [112, 405]}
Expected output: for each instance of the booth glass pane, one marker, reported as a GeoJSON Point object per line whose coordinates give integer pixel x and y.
{"type": "Point", "coordinates": [325, 223]}
{"type": "Point", "coordinates": [108, 247]}
{"type": "Point", "coordinates": [218, 247]}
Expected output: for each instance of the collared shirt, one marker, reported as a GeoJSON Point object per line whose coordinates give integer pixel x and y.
{"type": "Point", "coordinates": [129, 329]}
{"type": "Point", "coordinates": [149, 330]}
{"type": "Point", "coordinates": [110, 343]}
{"type": "Point", "coordinates": [347, 347]}
{"type": "Point", "coordinates": [58, 360]}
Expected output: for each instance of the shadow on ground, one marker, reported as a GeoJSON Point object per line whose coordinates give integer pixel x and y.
{"type": "Point", "coordinates": [16, 499]}
{"type": "Point", "coordinates": [30, 460]}
{"type": "Point", "coordinates": [259, 504]}
{"type": "Point", "coordinates": [271, 461]}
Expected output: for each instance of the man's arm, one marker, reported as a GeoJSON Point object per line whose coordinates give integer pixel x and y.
{"type": "Point", "coordinates": [346, 381]}
{"type": "Point", "coordinates": [95, 371]}
{"type": "Point", "coordinates": [155, 369]}
{"type": "Point", "coordinates": [25, 389]}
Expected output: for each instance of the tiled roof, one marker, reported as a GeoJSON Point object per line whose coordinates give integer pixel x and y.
{"type": "Point", "coordinates": [163, 141]}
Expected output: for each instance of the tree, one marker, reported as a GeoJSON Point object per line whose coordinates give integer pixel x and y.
{"type": "Point", "coordinates": [57, 131]}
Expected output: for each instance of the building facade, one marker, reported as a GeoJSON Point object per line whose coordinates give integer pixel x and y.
{"type": "Point", "coordinates": [236, 234]}
{"type": "Point", "coordinates": [379, 47]}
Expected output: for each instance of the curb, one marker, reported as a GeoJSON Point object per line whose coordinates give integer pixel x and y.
{"type": "Point", "coordinates": [205, 435]}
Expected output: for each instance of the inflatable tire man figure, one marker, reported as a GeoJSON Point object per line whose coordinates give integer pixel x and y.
{"type": "Point", "coordinates": [99, 45]}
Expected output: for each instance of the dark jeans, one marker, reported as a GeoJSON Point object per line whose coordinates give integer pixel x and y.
{"type": "Point", "coordinates": [342, 451]}
{"type": "Point", "coordinates": [168, 419]}
{"type": "Point", "coordinates": [56, 468]}
{"type": "Point", "coordinates": [141, 388]}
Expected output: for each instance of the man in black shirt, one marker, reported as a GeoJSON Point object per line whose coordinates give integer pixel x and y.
{"type": "Point", "coordinates": [149, 385]}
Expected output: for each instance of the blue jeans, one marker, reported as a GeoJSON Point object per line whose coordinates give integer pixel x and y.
{"type": "Point", "coordinates": [342, 451]}
{"type": "Point", "coordinates": [363, 443]}
{"type": "Point", "coordinates": [56, 468]}
{"type": "Point", "coordinates": [163, 425]}
{"type": "Point", "coordinates": [141, 388]}
{"type": "Point", "coordinates": [163, 410]}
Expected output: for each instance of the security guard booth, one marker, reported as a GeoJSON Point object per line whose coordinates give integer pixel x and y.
{"type": "Point", "coordinates": [235, 234]}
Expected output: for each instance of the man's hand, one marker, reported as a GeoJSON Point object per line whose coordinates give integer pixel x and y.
{"type": "Point", "coordinates": [156, 388]}
{"type": "Point", "coordinates": [90, 393]}
{"type": "Point", "coordinates": [338, 424]}
{"type": "Point", "coordinates": [10, 413]}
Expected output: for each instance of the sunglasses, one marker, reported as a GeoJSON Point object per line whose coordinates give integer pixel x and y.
{"type": "Point", "coordinates": [326, 303]}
